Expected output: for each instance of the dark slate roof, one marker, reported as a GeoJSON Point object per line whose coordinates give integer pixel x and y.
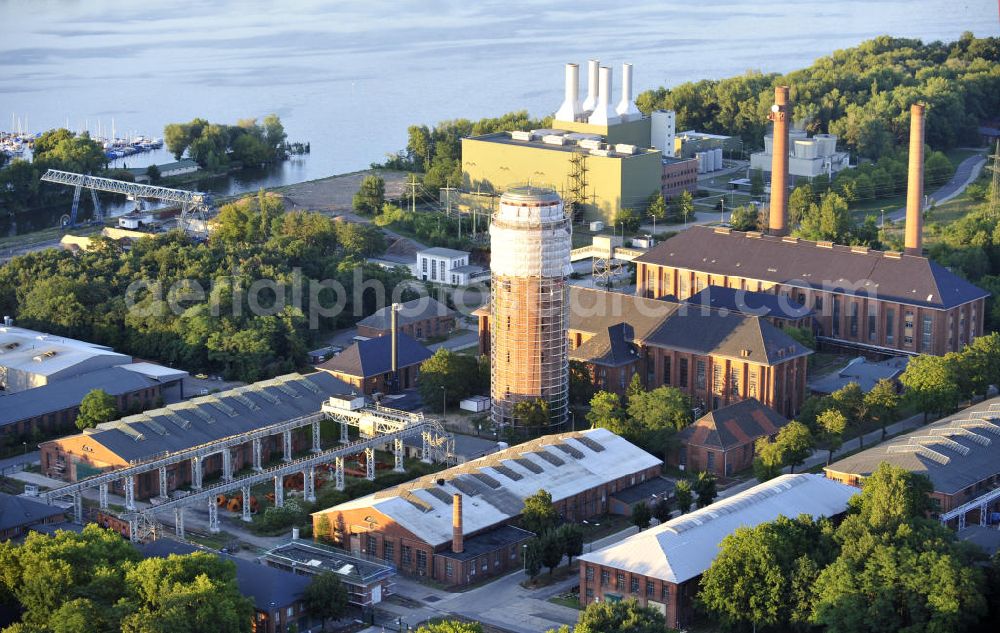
{"type": "Point", "coordinates": [952, 460]}
{"type": "Point", "coordinates": [374, 356]}
{"type": "Point", "coordinates": [67, 393]}
{"type": "Point", "coordinates": [409, 312]}
{"type": "Point", "coordinates": [645, 491]}
{"type": "Point", "coordinates": [261, 583]}
{"type": "Point", "coordinates": [733, 426]}
{"type": "Point", "coordinates": [199, 420]}
{"type": "Point", "coordinates": [488, 542]}
{"type": "Point", "coordinates": [908, 279]}
{"type": "Point", "coordinates": [50, 529]}
{"type": "Point", "coordinates": [750, 303]}
{"type": "Point", "coordinates": [18, 511]}
{"type": "Point", "coordinates": [677, 326]}
{"type": "Point", "coordinates": [988, 538]}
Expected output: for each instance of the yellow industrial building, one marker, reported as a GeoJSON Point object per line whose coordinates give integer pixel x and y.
{"type": "Point", "coordinates": [598, 157]}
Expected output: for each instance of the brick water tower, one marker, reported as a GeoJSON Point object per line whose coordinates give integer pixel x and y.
{"type": "Point", "coordinates": [530, 241]}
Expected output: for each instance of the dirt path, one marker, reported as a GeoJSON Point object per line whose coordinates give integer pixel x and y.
{"type": "Point", "coordinates": [335, 194]}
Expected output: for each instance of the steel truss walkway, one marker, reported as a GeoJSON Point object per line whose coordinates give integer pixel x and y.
{"type": "Point", "coordinates": [379, 426]}
{"type": "Point", "coordinates": [190, 201]}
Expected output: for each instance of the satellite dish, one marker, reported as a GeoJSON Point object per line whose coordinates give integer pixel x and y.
{"type": "Point", "coordinates": [775, 108]}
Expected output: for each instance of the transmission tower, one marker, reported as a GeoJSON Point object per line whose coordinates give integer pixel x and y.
{"type": "Point", "coordinates": [994, 208]}
{"type": "Point", "coordinates": [577, 192]}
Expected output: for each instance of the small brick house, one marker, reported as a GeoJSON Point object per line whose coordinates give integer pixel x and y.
{"type": "Point", "coordinates": [722, 441]}
{"type": "Point", "coordinates": [367, 365]}
{"type": "Point", "coordinates": [421, 318]}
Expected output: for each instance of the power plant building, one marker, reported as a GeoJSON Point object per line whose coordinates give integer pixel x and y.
{"type": "Point", "coordinates": [531, 238]}
{"type": "Point", "coordinates": [879, 301]}
{"type": "Point", "coordinates": [807, 157]}
{"type": "Point", "coordinates": [600, 157]}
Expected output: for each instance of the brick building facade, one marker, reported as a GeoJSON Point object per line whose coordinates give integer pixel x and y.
{"type": "Point", "coordinates": [881, 301]}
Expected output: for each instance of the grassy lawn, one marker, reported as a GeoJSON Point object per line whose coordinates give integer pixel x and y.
{"type": "Point", "coordinates": [957, 155]}
{"type": "Point", "coordinates": [212, 541]}
{"type": "Point", "coordinates": [822, 363]}
{"type": "Point", "coordinates": [566, 600]}
{"type": "Point", "coordinates": [602, 526]}
{"type": "Point", "coordinates": [863, 208]}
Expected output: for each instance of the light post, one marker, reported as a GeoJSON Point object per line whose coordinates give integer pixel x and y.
{"type": "Point", "coordinates": [524, 558]}
{"type": "Point", "coordinates": [25, 447]}
{"type": "Point", "coordinates": [444, 401]}
{"type": "Point", "coordinates": [882, 211]}
{"type": "Point", "coordinates": [722, 202]}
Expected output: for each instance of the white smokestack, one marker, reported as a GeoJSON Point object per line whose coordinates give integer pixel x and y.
{"type": "Point", "coordinates": [603, 114]}
{"type": "Point", "coordinates": [570, 108]}
{"type": "Point", "coordinates": [591, 101]}
{"type": "Point", "coordinates": [626, 107]}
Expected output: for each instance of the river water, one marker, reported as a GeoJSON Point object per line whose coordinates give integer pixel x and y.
{"type": "Point", "coordinates": [349, 77]}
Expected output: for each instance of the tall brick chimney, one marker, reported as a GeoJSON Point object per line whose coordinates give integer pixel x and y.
{"type": "Point", "coordinates": [915, 183]}
{"type": "Point", "coordinates": [778, 215]}
{"type": "Point", "coordinates": [457, 539]}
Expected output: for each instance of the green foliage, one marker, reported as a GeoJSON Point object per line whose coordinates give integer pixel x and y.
{"type": "Point", "coordinates": [433, 228]}
{"type": "Point", "coordinates": [762, 575]}
{"type": "Point", "coordinates": [657, 206]}
{"type": "Point", "coordinates": [704, 487]}
{"type": "Point", "coordinates": [571, 537]}
{"type": "Point", "coordinates": [95, 582]}
{"type": "Point", "coordinates": [84, 295]}
{"type": "Point", "coordinates": [891, 496]}
{"type": "Point", "coordinates": [275, 520]}
{"type": "Point", "coordinates": [790, 447]}
{"type": "Point", "coordinates": [621, 617]}
{"type": "Point", "coordinates": [96, 407]}
{"type": "Point", "coordinates": [325, 597]}
{"type": "Point", "coordinates": [931, 384]}
{"type": "Point", "coordinates": [539, 515]}
{"type": "Point", "coordinates": [862, 94]}
{"type": "Point", "coordinates": [800, 202]}
{"type": "Point", "coordinates": [532, 413]}
{"type": "Point", "coordinates": [451, 626]}
{"type": "Point", "coordinates": [803, 336]}
{"type": "Point", "coordinates": [829, 221]}
{"type": "Point", "coordinates": [533, 557]}
{"type": "Point", "coordinates": [768, 459]}
{"type": "Point", "coordinates": [606, 413]}
{"type": "Point", "coordinates": [832, 424]}
{"type": "Point", "coordinates": [744, 218]}
{"type": "Point", "coordinates": [641, 515]}
{"type": "Point", "coordinates": [551, 549]}
{"type": "Point", "coordinates": [683, 495]}
{"type": "Point", "coordinates": [882, 403]}
{"type": "Point", "coordinates": [458, 374]}
{"type": "Point", "coordinates": [62, 149]}
{"type": "Point", "coordinates": [627, 219]}
{"type": "Point", "coordinates": [214, 146]}
{"type": "Point", "coordinates": [153, 172]}
{"type": "Point", "coordinates": [370, 196]}
{"type": "Point", "coordinates": [681, 207]}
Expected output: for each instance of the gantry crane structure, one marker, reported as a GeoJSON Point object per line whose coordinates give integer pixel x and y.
{"type": "Point", "coordinates": [378, 427]}
{"type": "Point", "coordinates": [191, 201]}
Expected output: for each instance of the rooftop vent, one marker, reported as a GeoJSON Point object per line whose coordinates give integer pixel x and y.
{"type": "Point", "coordinates": [892, 254]}
{"type": "Point", "coordinates": [518, 135]}
{"type": "Point", "coordinates": [824, 244]}
{"type": "Point", "coordinates": [754, 234]}
{"type": "Point", "coordinates": [790, 239]}
{"type": "Point", "coordinates": [862, 250]}
{"type": "Point", "coordinates": [724, 230]}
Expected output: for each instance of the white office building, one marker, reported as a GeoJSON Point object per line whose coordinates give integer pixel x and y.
{"type": "Point", "coordinates": [447, 266]}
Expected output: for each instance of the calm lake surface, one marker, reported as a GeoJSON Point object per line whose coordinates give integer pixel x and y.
{"type": "Point", "coordinates": [349, 77]}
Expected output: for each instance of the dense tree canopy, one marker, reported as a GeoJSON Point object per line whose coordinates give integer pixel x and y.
{"type": "Point", "coordinates": [862, 94]}
{"type": "Point", "coordinates": [539, 515]}
{"type": "Point", "coordinates": [96, 407]}
{"type": "Point", "coordinates": [214, 146]}
{"type": "Point", "coordinates": [96, 582]}
{"type": "Point", "coordinates": [450, 376]}
{"type": "Point", "coordinates": [246, 303]}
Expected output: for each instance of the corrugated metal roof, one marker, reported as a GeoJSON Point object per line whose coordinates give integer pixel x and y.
{"type": "Point", "coordinates": [215, 417]}
{"type": "Point", "coordinates": [684, 547]}
{"type": "Point", "coordinates": [956, 452]}
{"type": "Point", "coordinates": [486, 506]}
{"type": "Point", "coordinates": [68, 392]}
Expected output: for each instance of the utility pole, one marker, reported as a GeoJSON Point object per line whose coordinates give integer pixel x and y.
{"type": "Point", "coordinates": [413, 193]}
{"type": "Point", "coordinates": [994, 206]}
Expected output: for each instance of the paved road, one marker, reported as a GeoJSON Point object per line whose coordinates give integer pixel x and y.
{"type": "Point", "coordinates": [19, 460]}
{"type": "Point", "coordinates": [965, 174]}
{"type": "Point", "coordinates": [819, 456]}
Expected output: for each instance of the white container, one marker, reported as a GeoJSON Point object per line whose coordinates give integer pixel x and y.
{"type": "Point", "coordinates": [596, 226]}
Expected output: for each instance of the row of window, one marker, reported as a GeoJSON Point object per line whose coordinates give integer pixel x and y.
{"type": "Point", "coordinates": [636, 584]}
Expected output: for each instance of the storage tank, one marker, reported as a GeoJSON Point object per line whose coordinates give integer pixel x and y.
{"type": "Point", "coordinates": [806, 149]}
{"type": "Point", "coordinates": [702, 162]}
{"type": "Point", "coordinates": [529, 308]}
{"type": "Point", "coordinates": [717, 154]}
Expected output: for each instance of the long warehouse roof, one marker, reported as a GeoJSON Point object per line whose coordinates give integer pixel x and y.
{"type": "Point", "coordinates": [495, 487]}
{"type": "Point", "coordinates": [685, 547]}
{"type": "Point", "coordinates": [210, 418]}
{"type": "Point", "coordinates": [955, 453]}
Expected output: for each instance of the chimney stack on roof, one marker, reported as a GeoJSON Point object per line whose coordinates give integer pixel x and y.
{"type": "Point", "coordinates": [394, 334]}
{"type": "Point", "coordinates": [604, 114]}
{"type": "Point", "coordinates": [777, 218]}
{"type": "Point", "coordinates": [457, 537]}
{"type": "Point", "coordinates": [570, 108]}
{"type": "Point", "coordinates": [626, 107]}
{"type": "Point", "coordinates": [915, 183]}
{"type": "Point", "coordinates": [590, 102]}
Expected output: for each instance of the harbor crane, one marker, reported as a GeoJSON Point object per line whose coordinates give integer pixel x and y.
{"type": "Point", "coordinates": [190, 201]}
